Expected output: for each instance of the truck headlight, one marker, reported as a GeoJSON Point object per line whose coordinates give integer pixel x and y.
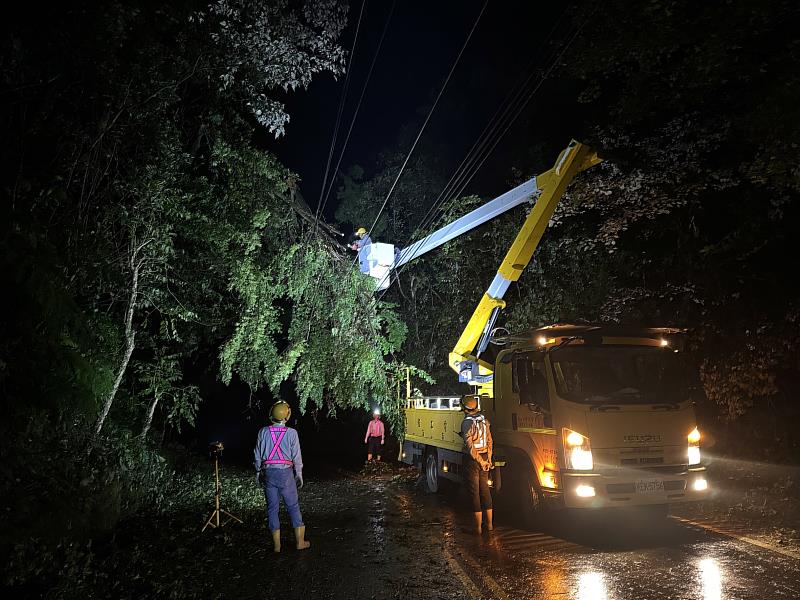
{"type": "Point", "coordinates": [577, 452]}
{"type": "Point", "coordinates": [694, 446]}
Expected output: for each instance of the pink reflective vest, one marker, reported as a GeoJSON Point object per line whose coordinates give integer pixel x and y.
{"type": "Point", "coordinates": [276, 456]}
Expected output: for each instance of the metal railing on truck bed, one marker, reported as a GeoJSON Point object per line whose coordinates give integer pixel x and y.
{"type": "Point", "coordinates": [435, 402]}
{"type": "Point", "coordinates": [435, 421]}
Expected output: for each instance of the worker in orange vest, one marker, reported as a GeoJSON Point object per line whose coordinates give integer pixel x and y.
{"type": "Point", "coordinates": [478, 461]}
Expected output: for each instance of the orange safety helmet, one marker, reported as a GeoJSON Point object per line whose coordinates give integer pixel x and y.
{"type": "Point", "coordinates": [470, 404]}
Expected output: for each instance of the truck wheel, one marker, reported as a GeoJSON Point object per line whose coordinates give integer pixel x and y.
{"type": "Point", "coordinates": [523, 496]}
{"type": "Point", "coordinates": [430, 471]}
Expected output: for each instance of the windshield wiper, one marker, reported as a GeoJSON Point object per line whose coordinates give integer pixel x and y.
{"type": "Point", "coordinates": [626, 393]}
{"type": "Point", "coordinates": [600, 403]}
{"type": "Point", "coordinates": [669, 406]}
{"type": "Point", "coordinates": [565, 342]}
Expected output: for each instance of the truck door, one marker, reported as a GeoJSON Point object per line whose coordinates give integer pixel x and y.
{"type": "Point", "coordinates": [534, 415]}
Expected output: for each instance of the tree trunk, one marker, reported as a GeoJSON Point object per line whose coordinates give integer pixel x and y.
{"type": "Point", "coordinates": [149, 420]}
{"type": "Point", "coordinates": [130, 339]}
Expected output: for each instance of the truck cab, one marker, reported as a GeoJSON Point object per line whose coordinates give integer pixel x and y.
{"type": "Point", "coordinates": [602, 416]}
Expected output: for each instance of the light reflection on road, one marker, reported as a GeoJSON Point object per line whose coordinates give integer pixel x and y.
{"type": "Point", "coordinates": [710, 579]}
{"type": "Point", "coordinates": [592, 586]}
{"type": "Point", "coordinates": [655, 559]}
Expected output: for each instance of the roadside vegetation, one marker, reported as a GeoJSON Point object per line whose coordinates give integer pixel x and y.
{"type": "Point", "coordinates": [147, 241]}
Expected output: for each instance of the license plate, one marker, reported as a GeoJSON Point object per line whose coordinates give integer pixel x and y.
{"type": "Point", "coordinates": [650, 486]}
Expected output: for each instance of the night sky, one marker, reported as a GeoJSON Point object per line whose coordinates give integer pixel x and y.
{"type": "Point", "coordinates": [421, 44]}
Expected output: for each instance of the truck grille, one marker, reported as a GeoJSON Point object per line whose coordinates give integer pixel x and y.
{"type": "Point", "coordinates": [667, 469]}
{"type": "Point", "coordinates": [643, 460]}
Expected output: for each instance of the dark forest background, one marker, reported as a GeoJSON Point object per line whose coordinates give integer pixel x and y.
{"type": "Point", "coordinates": [158, 260]}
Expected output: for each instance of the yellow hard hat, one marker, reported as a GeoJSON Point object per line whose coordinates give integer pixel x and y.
{"type": "Point", "coordinates": [361, 231]}
{"type": "Point", "coordinates": [280, 411]}
{"type": "Point", "coordinates": [470, 403]}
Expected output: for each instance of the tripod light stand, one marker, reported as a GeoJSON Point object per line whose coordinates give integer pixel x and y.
{"type": "Point", "coordinates": [214, 519]}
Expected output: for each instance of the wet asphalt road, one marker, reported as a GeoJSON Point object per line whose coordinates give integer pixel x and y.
{"type": "Point", "coordinates": [628, 556]}
{"type": "Point", "coordinates": [385, 538]}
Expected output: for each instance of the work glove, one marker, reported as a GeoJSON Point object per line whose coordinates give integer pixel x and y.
{"type": "Point", "coordinates": [381, 442]}
{"type": "Point", "coordinates": [298, 479]}
{"type": "Point", "coordinates": [260, 477]}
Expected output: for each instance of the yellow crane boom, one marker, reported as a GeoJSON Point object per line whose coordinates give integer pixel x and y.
{"type": "Point", "coordinates": [465, 356]}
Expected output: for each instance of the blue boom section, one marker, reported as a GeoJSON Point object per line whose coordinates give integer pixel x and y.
{"type": "Point", "coordinates": [519, 195]}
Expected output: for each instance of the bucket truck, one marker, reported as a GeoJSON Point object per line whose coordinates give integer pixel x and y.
{"type": "Point", "coordinates": [583, 416]}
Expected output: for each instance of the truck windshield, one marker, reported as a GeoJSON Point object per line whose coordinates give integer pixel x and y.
{"type": "Point", "coordinates": [619, 375]}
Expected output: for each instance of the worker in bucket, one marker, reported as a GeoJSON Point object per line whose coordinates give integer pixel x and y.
{"type": "Point", "coordinates": [280, 472]}
{"type": "Point", "coordinates": [363, 240]}
{"type": "Point", "coordinates": [375, 436]}
{"type": "Point", "coordinates": [477, 436]}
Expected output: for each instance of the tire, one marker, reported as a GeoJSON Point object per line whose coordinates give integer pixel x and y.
{"type": "Point", "coordinates": [530, 505]}
{"type": "Point", "coordinates": [430, 471]}
{"type": "Point", "coordinates": [522, 497]}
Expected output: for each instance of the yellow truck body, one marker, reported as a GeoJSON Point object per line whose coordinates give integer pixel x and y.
{"type": "Point", "coordinates": [639, 445]}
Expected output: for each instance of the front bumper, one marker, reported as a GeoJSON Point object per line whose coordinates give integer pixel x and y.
{"type": "Point", "coordinates": [620, 488]}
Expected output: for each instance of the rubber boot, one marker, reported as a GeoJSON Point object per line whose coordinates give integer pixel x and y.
{"type": "Point", "coordinates": [489, 524]}
{"type": "Point", "coordinates": [300, 537]}
{"type": "Point", "coordinates": [478, 518]}
{"type": "Point", "coordinates": [276, 540]}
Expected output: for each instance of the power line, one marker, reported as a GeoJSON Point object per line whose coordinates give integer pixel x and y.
{"type": "Point", "coordinates": [478, 149]}
{"type": "Point", "coordinates": [487, 132]}
{"type": "Point", "coordinates": [430, 112]}
{"type": "Point", "coordinates": [522, 102]}
{"type": "Point", "coordinates": [358, 107]}
{"type": "Point", "coordinates": [339, 115]}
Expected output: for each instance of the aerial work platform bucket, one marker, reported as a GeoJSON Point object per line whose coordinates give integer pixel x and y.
{"type": "Point", "coordinates": [377, 260]}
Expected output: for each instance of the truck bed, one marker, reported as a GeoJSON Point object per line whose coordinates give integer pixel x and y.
{"type": "Point", "coordinates": [435, 421]}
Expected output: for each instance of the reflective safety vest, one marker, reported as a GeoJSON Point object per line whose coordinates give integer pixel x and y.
{"type": "Point", "coordinates": [478, 432]}
{"type": "Point", "coordinates": [276, 456]}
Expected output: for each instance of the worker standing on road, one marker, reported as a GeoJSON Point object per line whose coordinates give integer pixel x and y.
{"type": "Point", "coordinates": [376, 434]}
{"type": "Point", "coordinates": [280, 471]}
{"type": "Point", "coordinates": [362, 242]}
{"type": "Point", "coordinates": [478, 447]}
